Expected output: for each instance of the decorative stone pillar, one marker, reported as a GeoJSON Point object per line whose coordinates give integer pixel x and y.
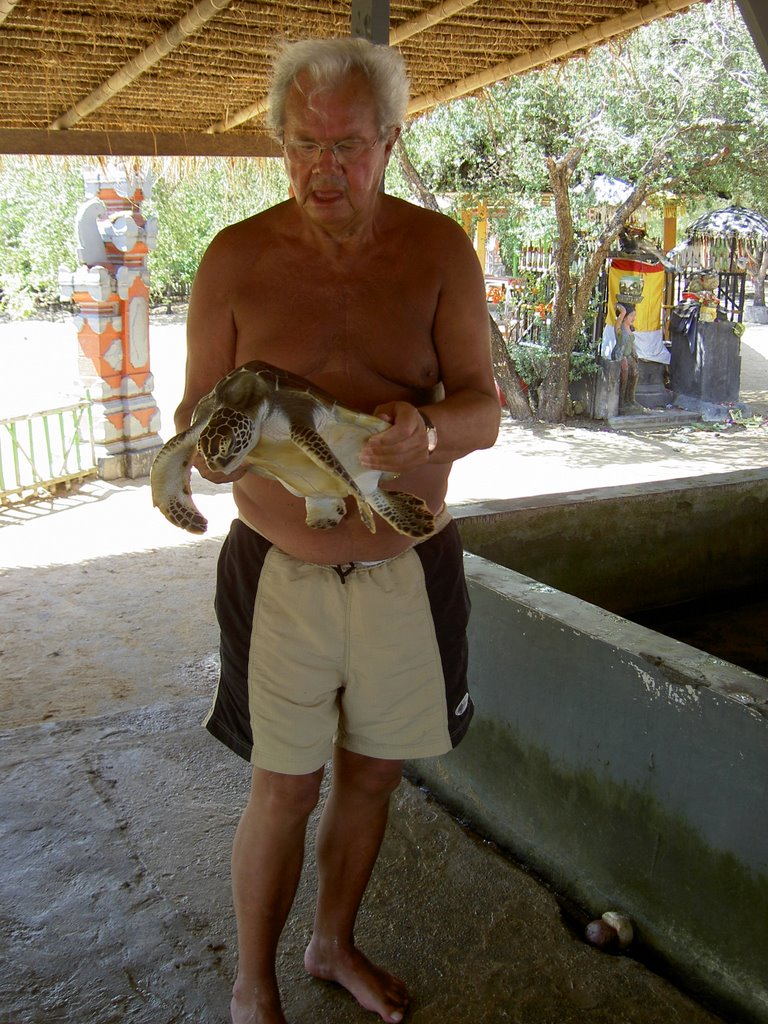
{"type": "Point", "coordinates": [111, 291]}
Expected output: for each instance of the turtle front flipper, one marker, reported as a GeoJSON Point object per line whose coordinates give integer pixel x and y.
{"type": "Point", "coordinates": [170, 481]}
{"type": "Point", "coordinates": [315, 447]}
{"type": "Point", "coordinates": [405, 513]}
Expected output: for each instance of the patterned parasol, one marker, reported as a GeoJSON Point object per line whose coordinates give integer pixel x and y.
{"type": "Point", "coordinates": [729, 239]}
{"type": "Point", "coordinates": [732, 222]}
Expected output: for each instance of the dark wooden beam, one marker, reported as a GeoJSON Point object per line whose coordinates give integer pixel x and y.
{"type": "Point", "coordinates": [41, 142]}
{"type": "Point", "coordinates": [370, 20]}
{"type": "Point", "coordinates": [755, 14]}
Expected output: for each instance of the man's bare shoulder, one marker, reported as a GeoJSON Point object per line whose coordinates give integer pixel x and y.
{"type": "Point", "coordinates": [274, 220]}
{"type": "Point", "coordinates": [428, 225]}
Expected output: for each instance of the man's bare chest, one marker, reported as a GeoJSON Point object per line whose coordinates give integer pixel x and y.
{"type": "Point", "coordinates": [370, 331]}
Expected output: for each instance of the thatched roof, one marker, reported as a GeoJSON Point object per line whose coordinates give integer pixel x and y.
{"type": "Point", "coordinates": [175, 76]}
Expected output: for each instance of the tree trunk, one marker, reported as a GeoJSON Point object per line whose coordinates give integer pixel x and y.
{"type": "Point", "coordinates": [506, 375]}
{"type": "Point", "coordinates": [414, 179]}
{"type": "Point", "coordinates": [759, 279]}
{"type": "Point", "coordinates": [571, 299]}
{"type": "Point", "coordinates": [553, 393]}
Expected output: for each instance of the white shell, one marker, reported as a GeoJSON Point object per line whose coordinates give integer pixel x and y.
{"type": "Point", "coordinates": [623, 926]}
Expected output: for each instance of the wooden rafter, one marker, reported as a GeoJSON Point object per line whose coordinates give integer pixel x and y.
{"type": "Point", "coordinates": [561, 48]}
{"type": "Point", "coordinates": [191, 23]}
{"type": "Point", "coordinates": [440, 12]}
{"type": "Point", "coordinates": [84, 143]}
{"type": "Point", "coordinates": [6, 6]}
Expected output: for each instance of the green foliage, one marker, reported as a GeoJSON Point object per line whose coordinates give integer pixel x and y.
{"type": "Point", "coordinates": [37, 209]}
{"type": "Point", "coordinates": [687, 85]}
{"type": "Point", "coordinates": [529, 329]}
{"type": "Point", "coordinates": [192, 200]}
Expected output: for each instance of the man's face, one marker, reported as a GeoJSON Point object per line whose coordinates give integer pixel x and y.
{"type": "Point", "coordinates": [336, 194]}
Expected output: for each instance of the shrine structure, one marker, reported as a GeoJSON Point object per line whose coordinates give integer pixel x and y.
{"type": "Point", "coordinates": [111, 291]}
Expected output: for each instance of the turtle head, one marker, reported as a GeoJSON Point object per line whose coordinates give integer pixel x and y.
{"type": "Point", "coordinates": [227, 438]}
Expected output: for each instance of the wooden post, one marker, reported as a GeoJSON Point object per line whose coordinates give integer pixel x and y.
{"type": "Point", "coordinates": [670, 226]}
{"type": "Point", "coordinates": [370, 20]}
{"type": "Point", "coordinates": [482, 231]}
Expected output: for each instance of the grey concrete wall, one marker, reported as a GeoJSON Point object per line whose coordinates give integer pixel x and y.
{"type": "Point", "coordinates": [635, 547]}
{"type": "Point", "coordinates": [627, 769]}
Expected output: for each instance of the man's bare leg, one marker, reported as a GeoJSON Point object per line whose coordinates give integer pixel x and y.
{"type": "Point", "coordinates": [348, 841]}
{"type": "Point", "coordinates": [267, 858]}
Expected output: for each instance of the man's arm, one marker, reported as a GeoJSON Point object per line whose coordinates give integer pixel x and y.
{"type": "Point", "coordinates": [211, 333]}
{"type": "Point", "coordinates": [468, 417]}
{"type": "Point", "coordinates": [211, 338]}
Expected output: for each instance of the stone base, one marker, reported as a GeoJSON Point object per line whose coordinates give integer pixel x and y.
{"type": "Point", "coordinates": [598, 394]}
{"type": "Point", "coordinates": [756, 314]}
{"type": "Point", "coordinates": [650, 391]}
{"type": "Point", "coordinates": [127, 465]}
{"type": "Point", "coordinates": [712, 412]}
{"type": "Point", "coordinates": [138, 464]}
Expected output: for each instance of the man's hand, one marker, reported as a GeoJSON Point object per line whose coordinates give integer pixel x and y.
{"type": "Point", "coordinates": [401, 448]}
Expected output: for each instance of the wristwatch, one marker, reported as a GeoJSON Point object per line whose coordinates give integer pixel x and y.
{"type": "Point", "coordinates": [431, 432]}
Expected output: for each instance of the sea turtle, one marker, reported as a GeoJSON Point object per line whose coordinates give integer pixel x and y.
{"type": "Point", "coordinates": [285, 428]}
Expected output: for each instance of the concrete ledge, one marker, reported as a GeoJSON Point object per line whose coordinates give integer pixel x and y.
{"type": "Point", "coordinates": [625, 767]}
{"type": "Point", "coordinates": [656, 419]}
{"type": "Point", "coordinates": [633, 547]}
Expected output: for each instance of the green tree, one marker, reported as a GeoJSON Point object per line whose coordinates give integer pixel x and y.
{"type": "Point", "coordinates": [193, 200]}
{"type": "Point", "coordinates": [681, 105]}
{"type": "Point", "coordinates": [38, 199]}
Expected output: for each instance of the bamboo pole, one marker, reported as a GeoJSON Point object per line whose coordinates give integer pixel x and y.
{"type": "Point", "coordinates": [6, 6]}
{"type": "Point", "coordinates": [233, 120]}
{"type": "Point", "coordinates": [191, 23]}
{"type": "Point", "coordinates": [440, 12]}
{"type": "Point", "coordinates": [561, 48]}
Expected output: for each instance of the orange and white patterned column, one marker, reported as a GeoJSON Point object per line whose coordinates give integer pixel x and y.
{"type": "Point", "coordinates": [111, 291]}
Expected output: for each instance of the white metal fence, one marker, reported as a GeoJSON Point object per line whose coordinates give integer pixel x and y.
{"type": "Point", "coordinates": [42, 453]}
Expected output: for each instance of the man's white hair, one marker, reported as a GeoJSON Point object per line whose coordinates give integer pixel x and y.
{"type": "Point", "coordinates": [327, 62]}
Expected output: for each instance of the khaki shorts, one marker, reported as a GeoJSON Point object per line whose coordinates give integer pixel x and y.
{"type": "Point", "coordinates": [370, 657]}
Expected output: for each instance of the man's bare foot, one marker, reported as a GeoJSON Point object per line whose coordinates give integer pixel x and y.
{"type": "Point", "coordinates": [252, 1006]}
{"type": "Point", "coordinates": [374, 988]}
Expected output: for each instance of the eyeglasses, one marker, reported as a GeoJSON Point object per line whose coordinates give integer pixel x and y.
{"type": "Point", "coordinates": [346, 152]}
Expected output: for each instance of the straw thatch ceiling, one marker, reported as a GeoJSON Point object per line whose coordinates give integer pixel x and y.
{"type": "Point", "coordinates": [179, 76]}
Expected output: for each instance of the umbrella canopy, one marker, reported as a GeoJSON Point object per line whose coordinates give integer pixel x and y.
{"type": "Point", "coordinates": [732, 222]}
{"type": "Point", "coordinates": [729, 239]}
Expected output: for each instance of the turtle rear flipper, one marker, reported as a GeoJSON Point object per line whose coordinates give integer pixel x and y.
{"type": "Point", "coordinates": [405, 513]}
{"type": "Point", "coordinates": [324, 513]}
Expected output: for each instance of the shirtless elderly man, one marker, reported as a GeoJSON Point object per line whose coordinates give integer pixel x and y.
{"type": "Point", "coordinates": [339, 644]}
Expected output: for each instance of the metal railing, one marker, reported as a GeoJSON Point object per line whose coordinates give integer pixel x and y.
{"type": "Point", "coordinates": [44, 452]}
